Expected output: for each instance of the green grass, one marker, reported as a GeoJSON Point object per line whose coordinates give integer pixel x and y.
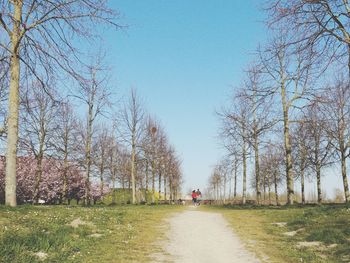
{"type": "Point", "coordinates": [124, 196]}
{"type": "Point", "coordinates": [327, 224]}
{"type": "Point", "coordinates": [111, 234]}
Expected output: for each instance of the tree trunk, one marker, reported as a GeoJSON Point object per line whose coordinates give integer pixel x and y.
{"type": "Point", "coordinates": [65, 174]}
{"type": "Point", "coordinates": [88, 153]}
{"type": "Point", "coordinates": [269, 188]}
{"type": "Point", "coordinates": [133, 159]}
{"type": "Point", "coordinates": [39, 159]}
{"type": "Point", "coordinates": [276, 188]}
{"type": "Point", "coordinates": [38, 175]}
{"type": "Point", "coordinates": [146, 182]}
{"type": "Point", "coordinates": [345, 179]}
{"type": "Point", "coordinates": [159, 184]}
{"type": "Point", "coordinates": [257, 165]}
{"type": "Point", "coordinates": [319, 190]}
{"type": "Point", "coordinates": [230, 188]}
{"type": "Point", "coordinates": [114, 192]}
{"type": "Point", "coordinates": [264, 187]}
{"type": "Point", "coordinates": [217, 193]}
{"type": "Point", "coordinates": [302, 173]}
{"type": "Point", "coordinates": [235, 188]}
{"type": "Point", "coordinates": [164, 188]}
{"type": "Point", "coordinates": [288, 147]}
{"type": "Point", "coordinates": [302, 186]}
{"type": "Point", "coordinates": [224, 192]}
{"type": "Point", "coordinates": [13, 107]}
{"type": "Point", "coordinates": [244, 194]}
{"type": "Point", "coordinates": [171, 195]}
{"type": "Point", "coordinates": [101, 179]}
{"type": "Point", "coordinates": [153, 179]}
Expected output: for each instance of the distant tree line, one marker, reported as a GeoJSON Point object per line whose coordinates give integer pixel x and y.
{"type": "Point", "coordinates": [291, 112]}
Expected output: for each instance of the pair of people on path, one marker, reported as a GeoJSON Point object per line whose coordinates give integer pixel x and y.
{"type": "Point", "coordinates": [195, 196]}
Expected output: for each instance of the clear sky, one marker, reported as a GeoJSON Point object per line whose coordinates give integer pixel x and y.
{"type": "Point", "coordinates": [183, 57]}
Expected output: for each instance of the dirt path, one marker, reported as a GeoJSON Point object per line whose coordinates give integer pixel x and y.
{"type": "Point", "coordinates": [203, 237]}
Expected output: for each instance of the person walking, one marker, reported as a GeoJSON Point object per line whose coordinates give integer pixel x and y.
{"type": "Point", "coordinates": [198, 196]}
{"type": "Point", "coordinates": [194, 197]}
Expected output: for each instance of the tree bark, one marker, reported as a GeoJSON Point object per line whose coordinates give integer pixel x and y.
{"type": "Point", "coordinates": [88, 153]}
{"type": "Point", "coordinates": [344, 176]}
{"type": "Point", "coordinates": [13, 107]}
{"type": "Point", "coordinates": [159, 184]}
{"type": "Point", "coordinates": [146, 182]}
{"type": "Point", "coordinates": [256, 153]}
{"type": "Point", "coordinates": [244, 156]}
{"type": "Point", "coordinates": [269, 188]}
{"type": "Point", "coordinates": [235, 188]}
{"type": "Point", "coordinates": [65, 172]}
{"type": "Point", "coordinates": [276, 188]}
{"type": "Point", "coordinates": [288, 147]}
{"type": "Point", "coordinates": [133, 159]}
{"type": "Point", "coordinates": [319, 190]}
{"type": "Point", "coordinates": [302, 179]}
{"type": "Point", "coordinates": [102, 168]}
{"type": "Point", "coordinates": [38, 175]}
{"type": "Point", "coordinates": [164, 188]}
{"type": "Point", "coordinates": [302, 173]}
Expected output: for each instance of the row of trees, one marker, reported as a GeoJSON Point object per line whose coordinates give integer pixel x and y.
{"type": "Point", "coordinates": [291, 114]}
{"type": "Point", "coordinates": [58, 109]}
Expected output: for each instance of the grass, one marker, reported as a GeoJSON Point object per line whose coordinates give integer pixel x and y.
{"type": "Point", "coordinates": [327, 224]}
{"type": "Point", "coordinates": [107, 234]}
{"type": "Point", "coordinates": [124, 196]}
{"type": "Point", "coordinates": [130, 233]}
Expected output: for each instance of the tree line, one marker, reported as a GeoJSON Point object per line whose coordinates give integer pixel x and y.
{"type": "Point", "coordinates": [291, 113]}
{"type": "Point", "coordinates": [66, 135]}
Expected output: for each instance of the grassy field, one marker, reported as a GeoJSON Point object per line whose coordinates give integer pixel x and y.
{"type": "Point", "coordinates": [130, 233]}
{"type": "Point", "coordinates": [78, 234]}
{"type": "Point", "coordinates": [293, 234]}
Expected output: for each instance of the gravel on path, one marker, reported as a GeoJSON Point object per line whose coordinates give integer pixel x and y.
{"type": "Point", "coordinates": [203, 237]}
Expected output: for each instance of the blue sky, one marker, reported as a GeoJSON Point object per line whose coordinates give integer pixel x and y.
{"type": "Point", "coordinates": [183, 57]}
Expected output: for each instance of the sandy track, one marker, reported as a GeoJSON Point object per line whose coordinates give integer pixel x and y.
{"type": "Point", "coordinates": [203, 237]}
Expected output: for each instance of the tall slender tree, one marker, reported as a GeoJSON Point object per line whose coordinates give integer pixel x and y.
{"type": "Point", "coordinates": [132, 120]}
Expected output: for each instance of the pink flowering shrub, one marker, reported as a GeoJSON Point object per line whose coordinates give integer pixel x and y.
{"type": "Point", "coordinates": [51, 185]}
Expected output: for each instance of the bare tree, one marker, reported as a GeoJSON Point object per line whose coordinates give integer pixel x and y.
{"type": "Point", "coordinates": [64, 141]}
{"type": "Point", "coordinates": [133, 126]}
{"type": "Point", "coordinates": [103, 143]}
{"type": "Point", "coordinates": [215, 183]}
{"type": "Point", "coordinates": [161, 149]}
{"type": "Point", "coordinates": [94, 92]}
{"type": "Point", "coordinates": [38, 37]}
{"type": "Point", "coordinates": [337, 108]}
{"type": "Point", "coordinates": [173, 171]}
{"type": "Point", "coordinates": [271, 163]}
{"type": "Point", "coordinates": [322, 25]}
{"type": "Point", "coordinates": [318, 143]}
{"type": "Point", "coordinates": [262, 120]}
{"type": "Point", "coordinates": [38, 118]}
{"type": "Point", "coordinates": [290, 77]}
{"type": "Point", "coordinates": [301, 159]}
{"type": "Point", "coordinates": [235, 125]}
{"type": "Point", "coordinates": [114, 162]}
{"type": "Point", "coordinates": [148, 147]}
